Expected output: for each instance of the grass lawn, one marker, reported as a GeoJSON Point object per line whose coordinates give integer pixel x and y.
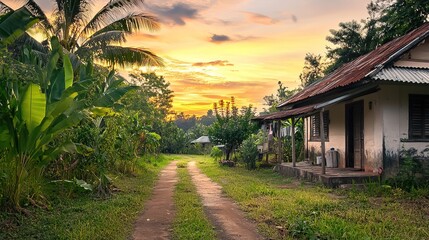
{"type": "Point", "coordinates": [286, 209]}
{"type": "Point", "coordinates": [84, 217]}
{"type": "Point", "coordinates": [190, 221]}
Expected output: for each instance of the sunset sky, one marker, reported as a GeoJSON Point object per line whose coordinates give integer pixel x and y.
{"type": "Point", "coordinates": [215, 49]}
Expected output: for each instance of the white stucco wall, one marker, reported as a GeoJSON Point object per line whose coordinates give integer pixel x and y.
{"type": "Point", "coordinates": [395, 101]}
{"type": "Point", "coordinates": [373, 132]}
{"type": "Point", "coordinates": [336, 134]}
{"type": "Point", "coordinates": [386, 123]}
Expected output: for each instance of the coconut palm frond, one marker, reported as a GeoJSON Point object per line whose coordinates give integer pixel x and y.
{"type": "Point", "coordinates": [35, 45]}
{"type": "Point", "coordinates": [14, 24]}
{"type": "Point", "coordinates": [26, 42]}
{"type": "Point", "coordinates": [105, 38]}
{"type": "Point", "coordinates": [126, 56]}
{"type": "Point", "coordinates": [131, 23]}
{"type": "Point", "coordinates": [76, 11]}
{"type": "Point", "coordinates": [70, 16]}
{"type": "Point", "coordinates": [35, 9]}
{"type": "Point", "coordinates": [109, 13]}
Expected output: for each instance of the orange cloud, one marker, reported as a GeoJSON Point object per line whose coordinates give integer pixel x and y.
{"type": "Point", "coordinates": [260, 19]}
{"type": "Point", "coordinates": [220, 63]}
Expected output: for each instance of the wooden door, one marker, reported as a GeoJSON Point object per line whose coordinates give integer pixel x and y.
{"type": "Point", "coordinates": [354, 135]}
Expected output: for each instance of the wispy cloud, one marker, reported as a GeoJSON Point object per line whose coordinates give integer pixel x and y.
{"type": "Point", "coordinates": [219, 63]}
{"type": "Point", "coordinates": [260, 19]}
{"type": "Point", "coordinates": [175, 14]}
{"type": "Point", "coordinates": [143, 36]}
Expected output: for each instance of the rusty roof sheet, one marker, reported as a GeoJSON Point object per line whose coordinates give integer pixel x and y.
{"type": "Point", "coordinates": [358, 69]}
{"type": "Point", "coordinates": [262, 117]}
{"type": "Point", "coordinates": [288, 113]}
{"type": "Point", "coordinates": [400, 74]}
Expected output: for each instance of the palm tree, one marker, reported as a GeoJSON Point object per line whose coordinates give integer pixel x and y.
{"type": "Point", "coordinates": [94, 38]}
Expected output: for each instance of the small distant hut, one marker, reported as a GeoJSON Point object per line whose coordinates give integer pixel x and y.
{"type": "Point", "coordinates": [203, 140]}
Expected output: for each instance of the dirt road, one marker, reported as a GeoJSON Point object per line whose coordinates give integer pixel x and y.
{"type": "Point", "coordinates": [156, 220]}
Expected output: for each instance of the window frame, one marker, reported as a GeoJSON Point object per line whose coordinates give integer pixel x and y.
{"type": "Point", "coordinates": [416, 125]}
{"type": "Point", "coordinates": [314, 128]}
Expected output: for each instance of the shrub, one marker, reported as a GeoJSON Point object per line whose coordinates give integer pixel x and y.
{"type": "Point", "coordinates": [249, 152]}
{"type": "Point", "coordinates": [409, 177]}
{"type": "Point", "coordinates": [216, 153]}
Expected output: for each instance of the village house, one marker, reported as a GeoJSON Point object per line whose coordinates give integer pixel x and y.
{"type": "Point", "coordinates": [371, 109]}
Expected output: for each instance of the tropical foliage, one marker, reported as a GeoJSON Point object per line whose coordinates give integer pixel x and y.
{"type": "Point", "coordinates": [66, 124]}
{"type": "Point", "coordinates": [313, 70]}
{"type": "Point", "coordinates": [34, 113]}
{"type": "Point", "coordinates": [249, 152]}
{"type": "Point", "coordinates": [272, 101]}
{"type": "Point", "coordinates": [216, 153]}
{"type": "Point", "coordinates": [90, 37]}
{"type": "Point", "coordinates": [387, 19]}
{"type": "Point", "coordinates": [232, 125]}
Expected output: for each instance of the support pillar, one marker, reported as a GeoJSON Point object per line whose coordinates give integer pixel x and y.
{"type": "Point", "coordinates": [322, 140]}
{"type": "Point", "coordinates": [279, 142]}
{"type": "Point", "coordinates": [293, 143]}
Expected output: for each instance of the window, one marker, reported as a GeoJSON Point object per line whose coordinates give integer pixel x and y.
{"type": "Point", "coordinates": [419, 117]}
{"type": "Point", "coordinates": [315, 126]}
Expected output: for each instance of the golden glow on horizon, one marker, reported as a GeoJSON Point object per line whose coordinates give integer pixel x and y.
{"type": "Point", "coordinates": [260, 48]}
{"type": "Point", "coordinates": [215, 49]}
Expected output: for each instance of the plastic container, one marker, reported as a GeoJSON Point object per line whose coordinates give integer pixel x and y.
{"type": "Point", "coordinates": [332, 157]}
{"type": "Point", "coordinates": [318, 160]}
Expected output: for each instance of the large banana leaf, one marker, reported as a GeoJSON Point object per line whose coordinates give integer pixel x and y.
{"type": "Point", "coordinates": [67, 147]}
{"type": "Point", "coordinates": [4, 135]}
{"type": "Point", "coordinates": [68, 71]}
{"type": "Point", "coordinates": [109, 98]}
{"type": "Point", "coordinates": [14, 24]}
{"type": "Point", "coordinates": [61, 79]}
{"type": "Point", "coordinates": [33, 106]}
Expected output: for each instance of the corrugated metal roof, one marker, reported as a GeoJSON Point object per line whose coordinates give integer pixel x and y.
{"type": "Point", "coordinates": [363, 66]}
{"type": "Point", "coordinates": [399, 74]}
{"type": "Point", "coordinates": [202, 139]}
{"type": "Point", "coordinates": [285, 114]}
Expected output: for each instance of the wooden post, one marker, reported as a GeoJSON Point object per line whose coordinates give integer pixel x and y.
{"type": "Point", "coordinates": [322, 139]}
{"type": "Point", "coordinates": [279, 142]}
{"type": "Point", "coordinates": [293, 143]}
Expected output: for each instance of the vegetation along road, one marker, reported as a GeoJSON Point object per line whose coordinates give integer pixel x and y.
{"type": "Point", "coordinates": [277, 207]}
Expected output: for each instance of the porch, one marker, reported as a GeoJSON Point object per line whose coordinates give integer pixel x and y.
{"type": "Point", "coordinates": [334, 177]}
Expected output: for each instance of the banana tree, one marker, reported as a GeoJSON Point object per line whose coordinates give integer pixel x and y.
{"type": "Point", "coordinates": [33, 114]}
{"type": "Point", "coordinates": [13, 24]}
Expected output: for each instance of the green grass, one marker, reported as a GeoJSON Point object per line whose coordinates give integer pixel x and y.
{"type": "Point", "coordinates": [84, 217]}
{"type": "Point", "coordinates": [285, 210]}
{"type": "Point", "coordinates": [190, 221]}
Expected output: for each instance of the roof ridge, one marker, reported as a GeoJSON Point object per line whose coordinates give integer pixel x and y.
{"type": "Point", "coordinates": [364, 66]}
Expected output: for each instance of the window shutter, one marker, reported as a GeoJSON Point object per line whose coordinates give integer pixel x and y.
{"type": "Point", "coordinates": [315, 125]}
{"type": "Point", "coordinates": [326, 123]}
{"type": "Point", "coordinates": [419, 117]}
{"type": "Point", "coordinates": [426, 117]}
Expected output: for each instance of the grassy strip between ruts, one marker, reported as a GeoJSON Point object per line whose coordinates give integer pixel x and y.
{"type": "Point", "coordinates": [286, 209]}
{"type": "Point", "coordinates": [84, 217]}
{"type": "Point", "coordinates": [190, 221]}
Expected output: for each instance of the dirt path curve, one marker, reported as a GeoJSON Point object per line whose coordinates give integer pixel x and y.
{"type": "Point", "coordinates": [156, 220]}
{"type": "Point", "coordinates": [229, 221]}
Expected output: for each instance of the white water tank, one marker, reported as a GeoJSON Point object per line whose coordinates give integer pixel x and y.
{"type": "Point", "coordinates": [332, 157]}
